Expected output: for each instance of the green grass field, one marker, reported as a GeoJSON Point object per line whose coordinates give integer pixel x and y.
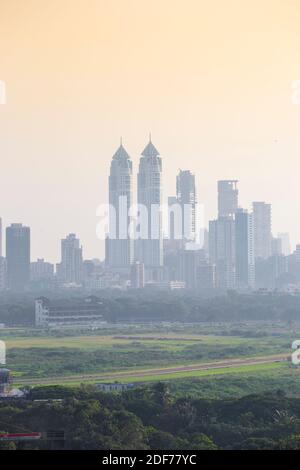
{"type": "Point", "coordinates": [201, 373]}
{"type": "Point", "coordinates": [241, 370]}
{"type": "Point", "coordinates": [46, 354]}
{"type": "Point", "coordinates": [170, 342]}
{"type": "Point", "coordinates": [75, 357]}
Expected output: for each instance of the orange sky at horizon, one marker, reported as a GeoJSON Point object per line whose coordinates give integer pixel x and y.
{"type": "Point", "coordinates": [211, 80]}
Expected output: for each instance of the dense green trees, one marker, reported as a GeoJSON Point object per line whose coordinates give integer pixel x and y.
{"type": "Point", "coordinates": [152, 418]}
{"type": "Point", "coordinates": [184, 306]}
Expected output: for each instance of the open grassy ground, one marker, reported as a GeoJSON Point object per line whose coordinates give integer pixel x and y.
{"type": "Point", "coordinates": [166, 342]}
{"type": "Point", "coordinates": [146, 377]}
{"type": "Point", "coordinates": [203, 373]}
{"type": "Point", "coordinates": [38, 354]}
{"type": "Point", "coordinates": [43, 357]}
{"type": "Point", "coordinates": [264, 379]}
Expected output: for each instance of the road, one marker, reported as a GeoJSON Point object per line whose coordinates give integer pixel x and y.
{"type": "Point", "coordinates": [114, 376]}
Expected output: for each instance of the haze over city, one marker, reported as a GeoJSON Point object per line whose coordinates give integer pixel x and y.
{"type": "Point", "coordinates": [149, 232]}
{"type": "Point", "coordinates": [211, 81]}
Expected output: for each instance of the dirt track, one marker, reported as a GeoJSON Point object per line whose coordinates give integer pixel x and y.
{"type": "Point", "coordinates": [225, 364]}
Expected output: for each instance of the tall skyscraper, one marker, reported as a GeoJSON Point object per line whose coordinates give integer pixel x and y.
{"type": "Point", "coordinates": [18, 256]}
{"type": "Point", "coordinates": [222, 251]}
{"type": "Point", "coordinates": [70, 269]}
{"type": "Point", "coordinates": [149, 227]}
{"type": "Point", "coordinates": [285, 243]}
{"type": "Point", "coordinates": [245, 267]}
{"type": "Point", "coordinates": [187, 198]}
{"type": "Point", "coordinates": [262, 230]}
{"type": "Point", "coordinates": [227, 198]}
{"type": "Point", "coordinates": [119, 245]}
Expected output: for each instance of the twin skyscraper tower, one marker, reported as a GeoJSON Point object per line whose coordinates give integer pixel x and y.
{"type": "Point", "coordinates": [122, 247]}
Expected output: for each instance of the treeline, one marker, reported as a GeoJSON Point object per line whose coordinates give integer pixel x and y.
{"type": "Point", "coordinates": [17, 313]}
{"type": "Point", "coordinates": [152, 418]}
{"type": "Point", "coordinates": [166, 306]}
{"type": "Point", "coordinates": [192, 308]}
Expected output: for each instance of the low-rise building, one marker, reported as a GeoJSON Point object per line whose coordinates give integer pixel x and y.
{"type": "Point", "coordinates": [88, 312]}
{"type": "Point", "coordinates": [114, 387]}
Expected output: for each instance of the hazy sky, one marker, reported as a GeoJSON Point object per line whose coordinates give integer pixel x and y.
{"type": "Point", "coordinates": [210, 79]}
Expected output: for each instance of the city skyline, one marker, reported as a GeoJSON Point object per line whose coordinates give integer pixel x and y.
{"type": "Point", "coordinates": [240, 251]}
{"type": "Point", "coordinates": [149, 230]}
{"type": "Point", "coordinates": [227, 197]}
{"type": "Point", "coordinates": [212, 82]}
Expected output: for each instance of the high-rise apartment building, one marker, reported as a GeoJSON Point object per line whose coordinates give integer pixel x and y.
{"type": "Point", "coordinates": [262, 230]}
{"type": "Point", "coordinates": [149, 245]}
{"type": "Point", "coordinates": [206, 276]}
{"type": "Point", "coordinates": [189, 261]}
{"type": "Point", "coordinates": [70, 269]}
{"type": "Point", "coordinates": [227, 198]}
{"type": "Point", "coordinates": [244, 255]}
{"type": "Point", "coordinates": [187, 199]}
{"type": "Point", "coordinates": [285, 243]}
{"type": "Point", "coordinates": [222, 251]}
{"type": "Point", "coordinates": [270, 272]}
{"type": "Point", "coordinates": [119, 243]}
{"type": "Point", "coordinates": [18, 256]}
{"type": "Point", "coordinates": [41, 270]}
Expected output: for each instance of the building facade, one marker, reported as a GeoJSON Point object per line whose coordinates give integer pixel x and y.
{"type": "Point", "coordinates": [222, 251]}
{"type": "Point", "coordinates": [88, 312]}
{"type": "Point", "coordinates": [137, 275]}
{"type": "Point", "coordinates": [70, 270]}
{"type": "Point", "coordinates": [227, 198]}
{"type": "Point", "coordinates": [18, 257]}
{"type": "Point", "coordinates": [119, 243]}
{"type": "Point", "coordinates": [189, 261]}
{"type": "Point", "coordinates": [262, 227]}
{"type": "Point", "coordinates": [3, 274]}
{"type": "Point", "coordinates": [149, 243]}
{"type": "Point", "coordinates": [187, 199]}
{"type": "Point", "coordinates": [245, 266]}
{"type": "Point", "coordinates": [285, 243]}
{"type": "Point", "coordinates": [41, 270]}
